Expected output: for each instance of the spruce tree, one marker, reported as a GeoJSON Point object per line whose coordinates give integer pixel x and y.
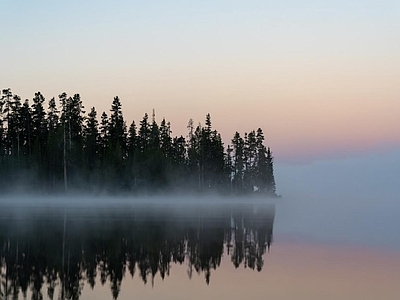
{"type": "Point", "coordinates": [91, 133]}
{"type": "Point", "coordinates": [132, 160]}
{"type": "Point", "coordinates": [117, 145]}
{"type": "Point", "coordinates": [54, 145]}
{"type": "Point", "coordinates": [270, 184]}
{"type": "Point", "coordinates": [238, 163]}
{"type": "Point", "coordinates": [39, 137]}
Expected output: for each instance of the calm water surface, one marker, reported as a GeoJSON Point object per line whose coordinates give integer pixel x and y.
{"type": "Point", "coordinates": [284, 249]}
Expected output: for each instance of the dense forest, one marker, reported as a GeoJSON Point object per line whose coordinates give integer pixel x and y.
{"type": "Point", "coordinates": [57, 147]}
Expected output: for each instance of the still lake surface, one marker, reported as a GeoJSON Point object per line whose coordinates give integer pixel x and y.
{"type": "Point", "coordinates": [210, 248]}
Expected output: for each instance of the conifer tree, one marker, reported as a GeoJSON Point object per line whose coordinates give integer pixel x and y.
{"type": "Point", "coordinates": [165, 139]}
{"type": "Point", "coordinates": [6, 100]}
{"type": "Point", "coordinates": [271, 186]}
{"type": "Point", "coordinates": [54, 149]}
{"type": "Point", "coordinates": [132, 139]}
{"type": "Point", "coordinates": [26, 125]}
{"type": "Point", "coordinates": [39, 134]}
{"type": "Point", "coordinates": [132, 161]}
{"type": "Point", "coordinates": [91, 133]}
{"type": "Point", "coordinates": [144, 135]}
{"type": "Point", "coordinates": [238, 162]}
{"type": "Point", "coordinates": [117, 128]}
{"type": "Point", "coordinates": [14, 130]}
{"type": "Point", "coordinates": [117, 144]}
{"type": "Point", "coordinates": [75, 117]}
{"type": "Point", "coordinates": [193, 156]}
{"type": "Point", "coordinates": [65, 121]}
{"type": "Point", "coordinates": [104, 136]}
{"type": "Point", "coordinates": [155, 161]}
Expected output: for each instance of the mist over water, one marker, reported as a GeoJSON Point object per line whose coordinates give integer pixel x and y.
{"type": "Point", "coordinates": [352, 201]}
{"type": "Point", "coordinates": [350, 206]}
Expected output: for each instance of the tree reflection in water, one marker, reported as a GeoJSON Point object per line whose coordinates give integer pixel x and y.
{"type": "Point", "coordinates": [58, 250]}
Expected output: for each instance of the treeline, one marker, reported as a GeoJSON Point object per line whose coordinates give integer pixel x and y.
{"type": "Point", "coordinates": [61, 148]}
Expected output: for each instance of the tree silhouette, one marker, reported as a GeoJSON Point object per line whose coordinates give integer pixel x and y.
{"type": "Point", "coordinates": [61, 148]}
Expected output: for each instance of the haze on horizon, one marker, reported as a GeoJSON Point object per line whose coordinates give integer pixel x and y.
{"type": "Point", "coordinates": [321, 78]}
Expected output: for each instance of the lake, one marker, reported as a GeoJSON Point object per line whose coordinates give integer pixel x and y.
{"type": "Point", "coordinates": [198, 248]}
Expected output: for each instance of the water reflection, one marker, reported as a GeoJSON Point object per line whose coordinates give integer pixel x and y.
{"type": "Point", "coordinates": [55, 252]}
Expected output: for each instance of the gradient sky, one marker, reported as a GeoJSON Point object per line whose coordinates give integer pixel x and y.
{"type": "Point", "coordinates": [322, 78]}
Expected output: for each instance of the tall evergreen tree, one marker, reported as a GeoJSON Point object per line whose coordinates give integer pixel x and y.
{"type": "Point", "coordinates": [54, 160]}
{"type": "Point", "coordinates": [132, 142]}
{"type": "Point", "coordinates": [132, 160]}
{"type": "Point", "coordinates": [26, 126]}
{"type": "Point", "coordinates": [238, 162]}
{"type": "Point", "coordinates": [250, 153]}
{"type": "Point", "coordinates": [165, 139]}
{"type": "Point", "coordinates": [156, 160]}
{"type": "Point", "coordinates": [270, 184]}
{"type": "Point", "coordinates": [104, 136]}
{"type": "Point", "coordinates": [65, 122]}
{"type": "Point", "coordinates": [144, 134]}
{"type": "Point", "coordinates": [193, 156]}
{"type": "Point", "coordinates": [39, 134]}
{"type": "Point", "coordinates": [117, 127]}
{"type": "Point", "coordinates": [6, 102]}
{"type": "Point", "coordinates": [104, 149]}
{"type": "Point", "coordinates": [15, 128]}
{"type": "Point", "coordinates": [117, 144]}
{"type": "Point", "coordinates": [38, 117]}
{"type": "Point", "coordinates": [91, 133]}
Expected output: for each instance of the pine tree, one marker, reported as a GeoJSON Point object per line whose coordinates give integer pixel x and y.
{"type": "Point", "coordinates": [38, 117]}
{"type": "Point", "coordinates": [91, 133]}
{"type": "Point", "coordinates": [117, 128]}
{"type": "Point", "coordinates": [76, 128]}
{"type": "Point", "coordinates": [104, 150]}
{"type": "Point", "coordinates": [104, 136]}
{"type": "Point", "coordinates": [154, 138]}
{"type": "Point", "coordinates": [117, 144]}
{"type": "Point", "coordinates": [15, 128]}
{"type": "Point", "coordinates": [165, 139]}
{"type": "Point", "coordinates": [144, 135]}
{"type": "Point", "coordinates": [65, 121]}
{"type": "Point", "coordinates": [132, 160]}
{"type": "Point", "coordinates": [6, 101]}
{"type": "Point", "coordinates": [39, 135]}
{"type": "Point", "coordinates": [238, 162]}
{"type": "Point", "coordinates": [193, 156]}
{"type": "Point", "coordinates": [54, 160]}
{"type": "Point", "coordinates": [270, 184]}
{"type": "Point", "coordinates": [26, 128]}
{"type": "Point", "coordinates": [250, 150]}
{"type": "Point", "coordinates": [155, 161]}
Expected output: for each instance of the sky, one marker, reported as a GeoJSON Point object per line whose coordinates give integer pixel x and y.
{"type": "Point", "coordinates": [321, 78]}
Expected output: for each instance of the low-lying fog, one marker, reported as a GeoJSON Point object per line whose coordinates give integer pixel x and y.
{"type": "Point", "coordinates": [350, 201]}
{"type": "Point", "coordinates": [353, 200]}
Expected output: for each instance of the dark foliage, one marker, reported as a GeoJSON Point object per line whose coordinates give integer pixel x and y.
{"type": "Point", "coordinates": [63, 149]}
